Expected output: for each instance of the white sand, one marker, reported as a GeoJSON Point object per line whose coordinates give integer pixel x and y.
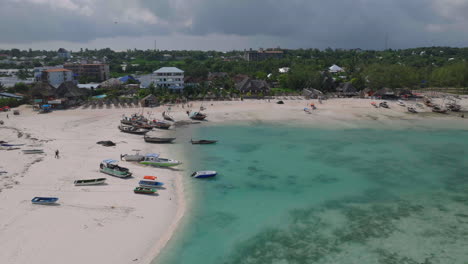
{"type": "Point", "coordinates": [111, 224]}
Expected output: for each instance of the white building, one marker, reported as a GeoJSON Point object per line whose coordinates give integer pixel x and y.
{"type": "Point", "coordinates": [63, 53]}
{"type": "Point", "coordinates": [55, 77]}
{"type": "Point", "coordinates": [284, 70]}
{"type": "Point", "coordinates": [335, 69]}
{"type": "Point", "coordinates": [170, 77]}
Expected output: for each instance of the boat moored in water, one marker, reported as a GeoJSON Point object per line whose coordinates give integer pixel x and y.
{"type": "Point", "coordinates": [203, 141]}
{"type": "Point", "coordinates": [133, 130]}
{"type": "Point", "coordinates": [204, 174]}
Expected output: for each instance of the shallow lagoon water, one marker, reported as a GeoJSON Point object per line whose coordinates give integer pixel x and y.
{"type": "Point", "coordinates": [301, 195]}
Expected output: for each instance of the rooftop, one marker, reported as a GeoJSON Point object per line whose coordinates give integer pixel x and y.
{"type": "Point", "coordinates": [168, 69]}
{"type": "Point", "coordinates": [57, 70]}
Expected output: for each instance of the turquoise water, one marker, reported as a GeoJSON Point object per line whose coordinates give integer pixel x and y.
{"type": "Point", "coordinates": [298, 195]}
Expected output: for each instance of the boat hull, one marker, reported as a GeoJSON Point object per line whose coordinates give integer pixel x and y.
{"type": "Point", "coordinates": [150, 184]}
{"type": "Point", "coordinates": [204, 174]}
{"type": "Point", "coordinates": [90, 182]}
{"type": "Point", "coordinates": [160, 164]}
{"type": "Point", "coordinates": [144, 190]}
{"type": "Point", "coordinates": [119, 174]}
{"type": "Point", "coordinates": [44, 200]}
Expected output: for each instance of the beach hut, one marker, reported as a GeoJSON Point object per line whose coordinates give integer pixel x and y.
{"type": "Point", "coordinates": [149, 101]}
{"type": "Point", "coordinates": [71, 92]}
{"type": "Point", "coordinates": [42, 92]}
{"type": "Point", "coordinates": [347, 89]}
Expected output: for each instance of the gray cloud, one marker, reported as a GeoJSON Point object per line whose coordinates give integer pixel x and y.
{"type": "Point", "coordinates": [293, 23]}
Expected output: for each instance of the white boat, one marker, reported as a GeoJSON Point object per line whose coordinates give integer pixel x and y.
{"type": "Point", "coordinates": [204, 174]}
{"type": "Point", "coordinates": [400, 103]}
{"type": "Point", "coordinates": [135, 157]}
{"type": "Point", "coordinates": [155, 160]}
{"type": "Point", "coordinates": [89, 182]}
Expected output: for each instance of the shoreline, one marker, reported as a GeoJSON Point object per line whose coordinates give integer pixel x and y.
{"type": "Point", "coordinates": [76, 132]}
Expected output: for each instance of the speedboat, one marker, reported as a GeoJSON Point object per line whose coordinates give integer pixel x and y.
{"type": "Point", "coordinates": [155, 160]}
{"type": "Point", "coordinates": [44, 200]}
{"type": "Point", "coordinates": [150, 184]}
{"type": "Point", "coordinates": [204, 174]}
{"type": "Point", "coordinates": [110, 167]}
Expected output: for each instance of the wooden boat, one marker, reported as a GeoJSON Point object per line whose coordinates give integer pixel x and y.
{"type": "Point", "coordinates": [90, 182]}
{"type": "Point", "coordinates": [384, 105]}
{"type": "Point", "coordinates": [110, 167]}
{"type": "Point", "coordinates": [196, 115]}
{"type": "Point", "coordinates": [150, 184]}
{"type": "Point", "coordinates": [150, 178]}
{"type": "Point", "coordinates": [454, 107]}
{"type": "Point", "coordinates": [133, 130]}
{"type": "Point", "coordinates": [45, 200]}
{"type": "Point", "coordinates": [155, 160]}
{"type": "Point", "coordinates": [144, 190]}
{"type": "Point", "coordinates": [150, 139]}
{"type": "Point", "coordinates": [438, 109]}
{"type": "Point", "coordinates": [33, 151]}
{"type": "Point", "coordinates": [412, 109]}
{"type": "Point", "coordinates": [203, 141]}
{"type": "Point", "coordinates": [204, 174]}
{"type": "Point", "coordinates": [160, 124]}
{"type": "Point", "coordinates": [401, 103]}
{"type": "Point", "coordinates": [143, 125]}
{"type": "Point", "coordinates": [167, 117]}
{"type": "Point", "coordinates": [126, 122]}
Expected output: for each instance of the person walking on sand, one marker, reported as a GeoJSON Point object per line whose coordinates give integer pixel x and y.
{"type": "Point", "coordinates": [57, 154]}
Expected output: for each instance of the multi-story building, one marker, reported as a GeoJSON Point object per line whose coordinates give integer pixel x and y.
{"type": "Point", "coordinates": [56, 77]}
{"type": "Point", "coordinates": [261, 54]}
{"type": "Point", "coordinates": [98, 72]}
{"type": "Point", "coordinates": [170, 77]}
{"type": "Point", "coordinates": [63, 53]}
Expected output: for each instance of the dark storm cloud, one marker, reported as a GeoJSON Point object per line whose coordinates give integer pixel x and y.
{"type": "Point", "coordinates": [294, 23]}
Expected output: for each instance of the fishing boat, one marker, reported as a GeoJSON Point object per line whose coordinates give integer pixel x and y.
{"type": "Point", "coordinates": [33, 151]}
{"type": "Point", "coordinates": [167, 117]}
{"type": "Point", "coordinates": [144, 190]}
{"type": "Point", "coordinates": [45, 200]}
{"type": "Point", "coordinates": [401, 103]}
{"type": "Point", "coordinates": [155, 160]}
{"type": "Point", "coordinates": [133, 130]}
{"type": "Point", "coordinates": [412, 109]}
{"type": "Point", "coordinates": [150, 139]}
{"type": "Point", "coordinates": [203, 141]}
{"type": "Point", "coordinates": [150, 184]}
{"type": "Point", "coordinates": [384, 105]}
{"type": "Point", "coordinates": [150, 178]}
{"type": "Point", "coordinates": [196, 115]}
{"type": "Point", "coordinates": [134, 157]}
{"type": "Point", "coordinates": [143, 125]}
{"type": "Point", "coordinates": [438, 109]}
{"type": "Point", "coordinates": [90, 182]}
{"type": "Point", "coordinates": [110, 167]}
{"type": "Point", "coordinates": [160, 124]}
{"type": "Point", "coordinates": [204, 174]}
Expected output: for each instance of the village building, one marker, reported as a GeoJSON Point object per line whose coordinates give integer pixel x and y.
{"type": "Point", "coordinates": [149, 101]}
{"type": "Point", "coordinates": [261, 54]}
{"type": "Point", "coordinates": [56, 77]}
{"type": "Point", "coordinates": [64, 54]}
{"type": "Point", "coordinates": [97, 72]}
{"type": "Point", "coordinates": [252, 86]}
{"type": "Point", "coordinates": [169, 77]}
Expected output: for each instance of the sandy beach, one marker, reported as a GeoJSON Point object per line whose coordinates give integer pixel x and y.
{"type": "Point", "coordinates": [111, 224]}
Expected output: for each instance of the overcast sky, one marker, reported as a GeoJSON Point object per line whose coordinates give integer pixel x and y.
{"type": "Point", "coordinates": [232, 24]}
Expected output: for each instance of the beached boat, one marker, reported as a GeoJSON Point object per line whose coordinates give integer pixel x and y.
{"type": "Point", "coordinates": [90, 182]}
{"type": "Point", "coordinates": [203, 141]}
{"type": "Point", "coordinates": [160, 124]}
{"type": "Point", "coordinates": [307, 110]}
{"type": "Point", "coordinates": [143, 125]}
{"type": "Point", "coordinates": [384, 105]}
{"type": "Point", "coordinates": [204, 174]}
{"type": "Point", "coordinates": [33, 151]}
{"type": "Point", "coordinates": [45, 200]}
{"type": "Point", "coordinates": [155, 160]}
{"type": "Point", "coordinates": [167, 117]}
{"type": "Point", "coordinates": [126, 122]}
{"type": "Point", "coordinates": [374, 104]}
{"type": "Point", "coordinates": [133, 130]}
{"type": "Point", "coordinates": [150, 139]}
{"type": "Point", "coordinates": [150, 184]}
{"type": "Point", "coordinates": [438, 109]}
{"type": "Point", "coordinates": [144, 190]}
{"type": "Point", "coordinates": [110, 167]}
{"type": "Point", "coordinates": [412, 109]}
{"type": "Point", "coordinates": [401, 103]}
{"type": "Point", "coordinates": [150, 178]}
{"type": "Point", "coordinates": [132, 157]}
{"type": "Point", "coordinates": [454, 107]}
{"type": "Point", "coordinates": [196, 115]}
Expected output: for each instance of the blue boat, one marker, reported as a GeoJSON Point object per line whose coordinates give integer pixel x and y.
{"type": "Point", "coordinates": [204, 174]}
{"type": "Point", "coordinates": [44, 200]}
{"type": "Point", "coordinates": [150, 184]}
